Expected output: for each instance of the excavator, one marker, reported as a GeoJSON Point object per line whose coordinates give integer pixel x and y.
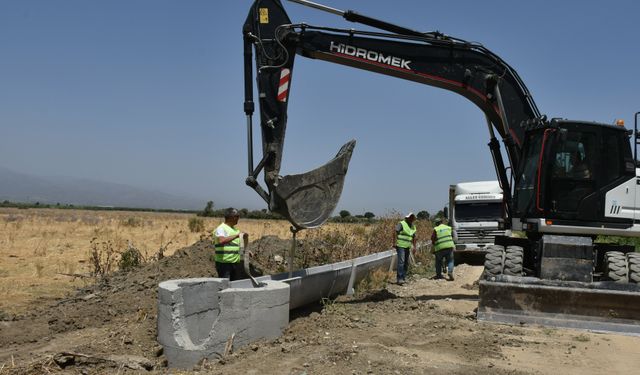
{"type": "Point", "coordinates": [569, 182]}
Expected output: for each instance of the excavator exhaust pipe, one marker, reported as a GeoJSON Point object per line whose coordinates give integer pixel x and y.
{"type": "Point", "coordinates": [308, 199]}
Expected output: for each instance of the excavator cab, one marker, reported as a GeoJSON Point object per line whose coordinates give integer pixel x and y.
{"type": "Point", "coordinates": [568, 168]}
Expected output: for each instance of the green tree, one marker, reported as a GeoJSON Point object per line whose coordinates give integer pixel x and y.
{"type": "Point", "coordinates": [208, 210]}
{"type": "Point", "coordinates": [423, 215]}
{"type": "Point", "coordinates": [439, 214]}
{"type": "Point", "coordinates": [345, 213]}
{"type": "Point", "coordinates": [369, 215]}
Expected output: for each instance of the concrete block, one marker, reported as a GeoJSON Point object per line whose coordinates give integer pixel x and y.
{"type": "Point", "coordinates": [166, 291]}
{"type": "Point", "coordinates": [166, 327]}
{"type": "Point", "coordinates": [196, 317]}
{"type": "Point", "coordinates": [201, 296]}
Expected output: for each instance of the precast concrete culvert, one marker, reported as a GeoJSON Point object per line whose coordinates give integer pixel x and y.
{"type": "Point", "coordinates": [204, 317]}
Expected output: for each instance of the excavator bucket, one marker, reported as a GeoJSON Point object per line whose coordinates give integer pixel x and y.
{"type": "Point", "coordinates": [597, 306]}
{"type": "Point", "coordinates": [308, 199]}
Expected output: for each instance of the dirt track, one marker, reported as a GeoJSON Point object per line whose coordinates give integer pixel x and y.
{"type": "Point", "coordinates": [426, 326]}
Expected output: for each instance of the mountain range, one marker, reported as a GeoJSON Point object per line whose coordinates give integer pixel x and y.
{"type": "Point", "coordinates": [21, 187]}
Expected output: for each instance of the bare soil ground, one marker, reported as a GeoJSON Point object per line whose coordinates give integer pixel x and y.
{"type": "Point", "coordinates": [425, 326]}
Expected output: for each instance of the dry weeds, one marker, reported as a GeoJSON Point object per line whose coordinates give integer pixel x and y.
{"type": "Point", "coordinates": [45, 253]}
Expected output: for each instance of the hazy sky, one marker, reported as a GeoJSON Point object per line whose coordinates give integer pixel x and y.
{"type": "Point", "coordinates": [149, 93]}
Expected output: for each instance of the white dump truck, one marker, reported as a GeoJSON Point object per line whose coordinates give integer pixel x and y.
{"type": "Point", "coordinates": [475, 213]}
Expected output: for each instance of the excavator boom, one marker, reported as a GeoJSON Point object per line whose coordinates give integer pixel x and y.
{"type": "Point", "coordinates": [468, 69]}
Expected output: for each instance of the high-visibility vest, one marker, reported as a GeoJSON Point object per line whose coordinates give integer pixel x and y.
{"type": "Point", "coordinates": [228, 252]}
{"type": "Point", "coordinates": [405, 237]}
{"type": "Point", "coordinates": [444, 240]}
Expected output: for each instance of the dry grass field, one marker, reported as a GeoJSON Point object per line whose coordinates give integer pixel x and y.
{"type": "Point", "coordinates": [41, 249]}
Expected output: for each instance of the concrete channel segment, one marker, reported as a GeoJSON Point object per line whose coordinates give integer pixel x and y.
{"type": "Point", "coordinates": [311, 285]}
{"type": "Point", "coordinates": [203, 317]}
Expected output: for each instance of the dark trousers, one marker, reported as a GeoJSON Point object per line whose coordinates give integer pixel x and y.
{"type": "Point", "coordinates": [229, 271]}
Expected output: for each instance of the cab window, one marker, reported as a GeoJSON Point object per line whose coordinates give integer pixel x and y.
{"type": "Point", "coordinates": [572, 177]}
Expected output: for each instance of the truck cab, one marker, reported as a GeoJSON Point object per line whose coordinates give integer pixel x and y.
{"type": "Point", "coordinates": [476, 212]}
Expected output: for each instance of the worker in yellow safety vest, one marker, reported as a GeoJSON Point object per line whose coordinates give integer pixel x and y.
{"type": "Point", "coordinates": [405, 240]}
{"type": "Point", "coordinates": [226, 240]}
{"type": "Point", "coordinates": [442, 240]}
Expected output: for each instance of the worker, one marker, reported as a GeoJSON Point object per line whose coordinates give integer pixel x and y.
{"type": "Point", "coordinates": [405, 240]}
{"type": "Point", "coordinates": [579, 167]}
{"type": "Point", "coordinates": [226, 240]}
{"type": "Point", "coordinates": [442, 241]}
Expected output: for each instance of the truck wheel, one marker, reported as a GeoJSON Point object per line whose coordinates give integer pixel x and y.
{"type": "Point", "coordinates": [633, 260]}
{"type": "Point", "coordinates": [513, 261]}
{"type": "Point", "coordinates": [493, 261]}
{"type": "Point", "coordinates": [615, 267]}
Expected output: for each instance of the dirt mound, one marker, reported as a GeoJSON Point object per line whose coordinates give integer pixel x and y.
{"type": "Point", "coordinates": [269, 254]}
{"type": "Point", "coordinates": [118, 314]}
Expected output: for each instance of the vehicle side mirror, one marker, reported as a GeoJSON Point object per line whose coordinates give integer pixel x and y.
{"type": "Point", "coordinates": [629, 165]}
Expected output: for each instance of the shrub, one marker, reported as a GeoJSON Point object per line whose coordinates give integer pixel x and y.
{"type": "Point", "coordinates": [12, 218]}
{"type": "Point", "coordinates": [359, 231]}
{"type": "Point", "coordinates": [375, 280]}
{"type": "Point", "coordinates": [130, 259]}
{"type": "Point", "coordinates": [196, 225]}
{"type": "Point", "coordinates": [132, 222]}
{"type": "Point", "coordinates": [102, 256]}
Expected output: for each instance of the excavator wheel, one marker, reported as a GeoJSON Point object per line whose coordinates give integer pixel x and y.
{"type": "Point", "coordinates": [633, 260]}
{"type": "Point", "coordinates": [494, 261]}
{"type": "Point", "coordinates": [615, 267]}
{"type": "Point", "coordinates": [513, 261]}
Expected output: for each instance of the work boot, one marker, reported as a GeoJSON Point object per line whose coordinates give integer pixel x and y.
{"type": "Point", "coordinates": [401, 282]}
{"type": "Point", "coordinates": [438, 277]}
{"type": "Point", "coordinates": [451, 278]}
